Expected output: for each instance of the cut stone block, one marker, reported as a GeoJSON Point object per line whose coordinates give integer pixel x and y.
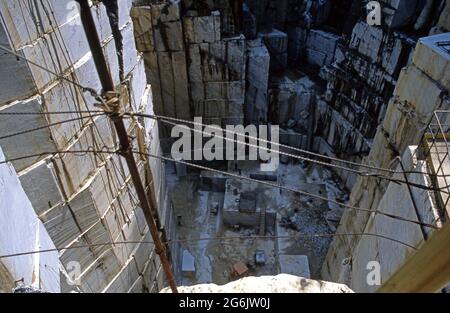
{"type": "Point", "coordinates": [124, 279]}
{"type": "Point", "coordinates": [258, 81]}
{"type": "Point", "coordinates": [379, 46]}
{"type": "Point", "coordinates": [296, 265]}
{"type": "Point", "coordinates": [143, 28]}
{"type": "Point", "coordinates": [99, 275]}
{"type": "Point", "coordinates": [33, 143]}
{"type": "Point", "coordinates": [239, 269]}
{"type": "Point", "coordinates": [23, 86]}
{"type": "Point", "coordinates": [247, 203]}
{"type": "Point", "coordinates": [61, 226]}
{"type": "Point", "coordinates": [138, 84]}
{"type": "Point", "coordinates": [202, 29]}
{"type": "Point", "coordinates": [165, 12]}
{"type": "Point", "coordinates": [277, 44]}
{"type": "Point", "coordinates": [129, 55]}
{"type": "Point", "coordinates": [169, 37]}
{"type": "Point", "coordinates": [320, 47]}
{"type": "Point", "coordinates": [188, 265]}
{"type": "Point", "coordinates": [260, 257]}
{"type": "Point", "coordinates": [142, 253]}
{"type": "Point", "coordinates": [432, 57]}
{"type": "Point", "coordinates": [41, 185]}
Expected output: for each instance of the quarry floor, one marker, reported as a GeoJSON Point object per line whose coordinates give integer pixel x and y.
{"type": "Point", "coordinates": [296, 214]}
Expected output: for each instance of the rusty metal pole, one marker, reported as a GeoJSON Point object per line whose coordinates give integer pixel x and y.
{"type": "Point", "coordinates": [125, 146]}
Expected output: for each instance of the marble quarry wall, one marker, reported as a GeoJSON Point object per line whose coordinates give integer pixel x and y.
{"type": "Point", "coordinates": [23, 231]}
{"type": "Point", "coordinates": [355, 67]}
{"type": "Point", "coordinates": [334, 84]}
{"type": "Point", "coordinates": [422, 88]}
{"type": "Point", "coordinates": [397, 199]}
{"type": "Point", "coordinates": [86, 198]}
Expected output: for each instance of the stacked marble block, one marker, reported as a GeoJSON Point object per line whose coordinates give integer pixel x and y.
{"type": "Point", "coordinates": [159, 36]}
{"type": "Point", "coordinates": [312, 46]}
{"type": "Point", "coordinates": [229, 13]}
{"type": "Point", "coordinates": [294, 98]}
{"type": "Point", "coordinates": [85, 198]}
{"type": "Point", "coordinates": [193, 71]}
{"type": "Point", "coordinates": [217, 68]}
{"type": "Point", "coordinates": [285, 14]}
{"type": "Point", "coordinates": [256, 96]}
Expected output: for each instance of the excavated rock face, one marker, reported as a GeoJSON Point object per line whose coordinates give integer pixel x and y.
{"type": "Point", "coordinates": [314, 67]}
{"type": "Point", "coordinates": [422, 89]}
{"type": "Point", "coordinates": [443, 18]}
{"type": "Point", "coordinates": [353, 67]}
{"type": "Point", "coordinates": [363, 74]}
{"type": "Point", "coordinates": [360, 82]}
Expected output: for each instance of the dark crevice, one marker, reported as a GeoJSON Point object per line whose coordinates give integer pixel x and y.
{"type": "Point", "coordinates": [112, 9]}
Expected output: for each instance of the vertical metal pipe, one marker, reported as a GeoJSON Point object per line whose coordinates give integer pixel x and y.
{"type": "Point", "coordinates": [411, 194]}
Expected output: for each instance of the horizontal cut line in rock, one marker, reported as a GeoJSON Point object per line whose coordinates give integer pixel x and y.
{"type": "Point", "coordinates": [178, 241]}
{"type": "Point", "coordinates": [261, 182]}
